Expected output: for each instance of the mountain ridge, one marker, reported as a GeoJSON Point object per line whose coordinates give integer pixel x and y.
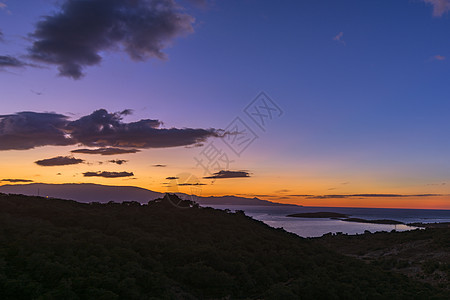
{"type": "Point", "coordinates": [91, 192]}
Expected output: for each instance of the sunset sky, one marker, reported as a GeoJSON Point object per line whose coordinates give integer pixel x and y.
{"type": "Point", "coordinates": [353, 96]}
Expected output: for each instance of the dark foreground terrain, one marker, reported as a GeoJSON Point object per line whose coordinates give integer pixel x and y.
{"type": "Point", "coordinates": [58, 249]}
{"type": "Point", "coordinates": [422, 255]}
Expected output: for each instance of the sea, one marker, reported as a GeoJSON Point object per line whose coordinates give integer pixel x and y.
{"type": "Point", "coordinates": [276, 216]}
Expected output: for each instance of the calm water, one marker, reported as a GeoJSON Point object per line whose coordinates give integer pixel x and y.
{"type": "Point", "coordinates": [275, 216]}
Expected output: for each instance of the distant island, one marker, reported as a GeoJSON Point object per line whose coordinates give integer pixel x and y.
{"type": "Point", "coordinates": [384, 221]}
{"type": "Point", "coordinates": [88, 192]}
{"type": "Point", "coordinates": [342, 217]}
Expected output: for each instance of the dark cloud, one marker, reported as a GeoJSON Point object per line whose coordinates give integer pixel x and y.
{"type": "Point", "coordinates": [106, 174]}
{"type": "Point", "coordinates": [105, 151]}
{"type": "Point", "coordinates": [27, 130]}
{"type": "Point", "coordinates": [80, 31]}
{"type": "Point", "coordinates": [106, 129]}
{"type": "Point", "coordinates": [11, 61]}
{"type": "Point", "coordinates": [159, 166]}
{"type": "Point", "coordinates": [118, 161]}
{"type": "Point", "coordinates": [1, 36]}
{"type": "Point", "coordinates": [59, 161]}
{"type": "Point", "coordinates": [228, 174]}
{"type": "Point", "coordinates": [187, 184]}
{"type": "Point", "coordinates": [171, 178]}
{"type": "Point", "coordinates": [16, 180]}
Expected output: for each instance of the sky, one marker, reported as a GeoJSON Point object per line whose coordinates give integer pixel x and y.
{"type": "Point", "coordinates": [318, 103]}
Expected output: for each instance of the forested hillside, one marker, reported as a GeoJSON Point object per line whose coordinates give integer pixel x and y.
{"type": "Point", "coordinates": [58, 249]}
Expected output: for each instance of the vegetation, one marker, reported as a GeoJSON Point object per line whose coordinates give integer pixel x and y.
{"type": "Point", "coordinates": [422, 254]}
{"type": "Point", "coordinates": [58, 249]}
{"type": "Point", "coordinates": [431, 225]}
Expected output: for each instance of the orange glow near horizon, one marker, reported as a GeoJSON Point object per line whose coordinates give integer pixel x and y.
{"type": "Point", "coordinates": [276, 185]}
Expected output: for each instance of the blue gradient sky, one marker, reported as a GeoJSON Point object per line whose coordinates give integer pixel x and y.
{"type": "Point", "coordinates": [366, 113]}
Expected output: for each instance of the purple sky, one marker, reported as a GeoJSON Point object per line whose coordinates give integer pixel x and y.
{"type": "Point", "coordinates": [362, 86]}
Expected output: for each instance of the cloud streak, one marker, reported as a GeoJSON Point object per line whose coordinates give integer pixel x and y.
{"type": "Point", "coordinates": [106, 174]}
{"type": "Point", "coordinates": [106, 151]}
{"type": "Point", "coordinates": [27, 130]}
{"type": "Point", "coordinates": [370, 196]}
{"type": "Point", "coordinates": [228, 174]}
{"type": "Point", "coordinates": [74, 37]}
{"type": "Point", "coordinates": [16, 180]}
{"type": "Point", "coordinates": [59, 161]}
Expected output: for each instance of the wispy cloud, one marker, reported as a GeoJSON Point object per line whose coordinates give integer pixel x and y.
{"type": "Point", "coordinates": [106, 174]}
{"type": "Point", "coordinates": [11, 61]}
{"type": "Point", "coordinates": [438, 57]}
{"type": "Point", "coordinates": [59, 161]}
{"type": "Point", "coordinates": [4, 7]}
{"type": "Point", "coordinates": [339, 38]}
{"type": "Point", "coordinates": [282, 191]}
{"type": "Point", "coordinates": [440, 7]}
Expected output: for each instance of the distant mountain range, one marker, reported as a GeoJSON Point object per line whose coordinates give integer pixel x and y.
{"type": "Point", "coordinates": [88, 192]}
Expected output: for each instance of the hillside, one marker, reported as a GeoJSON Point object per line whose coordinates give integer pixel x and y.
{"type": "Point", "coordinates": [423, 255]}
{"type": "Point", "coordinates": [58, 249]}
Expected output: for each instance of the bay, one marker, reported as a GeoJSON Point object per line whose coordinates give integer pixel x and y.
{"type": "Point", "coordinates": [276, 216]}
